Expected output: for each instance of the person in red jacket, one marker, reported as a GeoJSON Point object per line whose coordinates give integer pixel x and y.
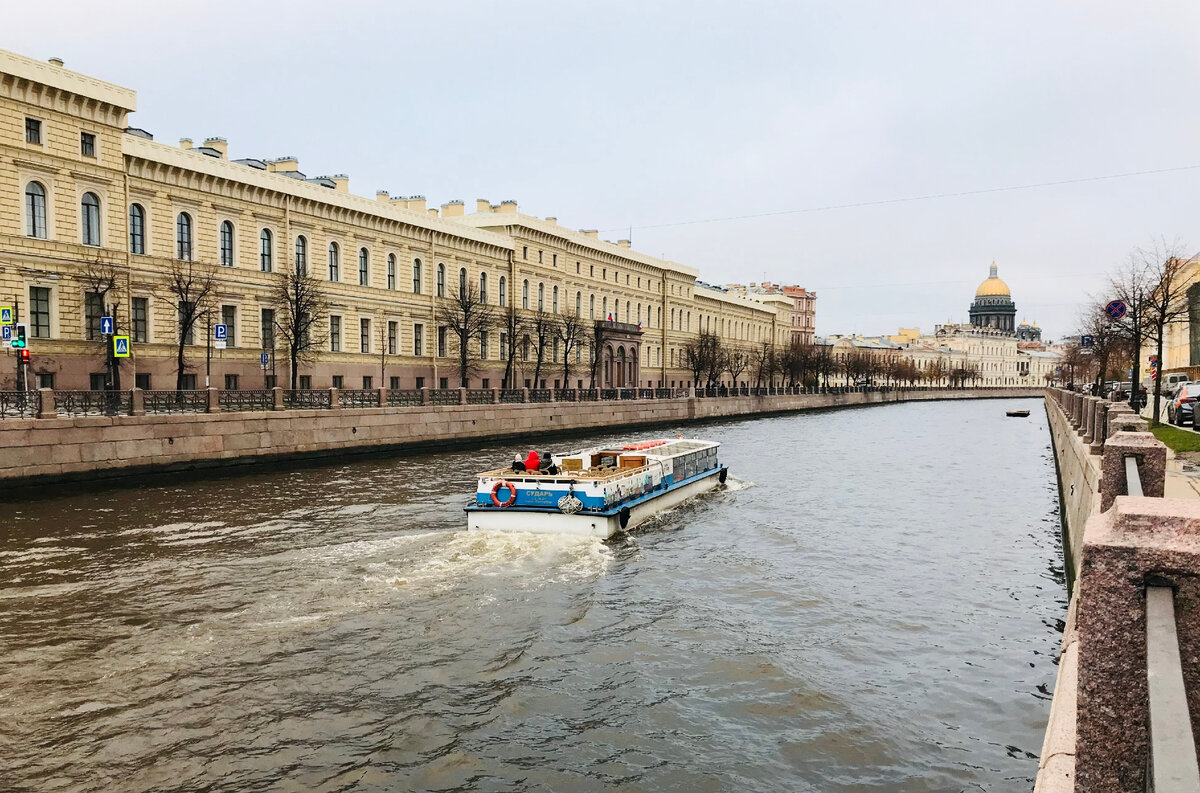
{"type": "Point", "coordinates": [532, 461]}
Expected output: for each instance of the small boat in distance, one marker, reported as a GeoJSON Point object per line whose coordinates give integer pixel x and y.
{"type": "Point", "coordinates": [596, 492]}
{"type": "Point", "coordinates": [1020, 414]}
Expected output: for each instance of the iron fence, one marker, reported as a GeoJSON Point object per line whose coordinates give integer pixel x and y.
{"type": "Point", "coordinates": [609, 393]}
{"type": "Point", "coordinates": [510, 395]}
{"type": "Point", "coordinates": [93, 403]}
{"type": "Point", "coordinates": [20, 404]}
{"type": "Point", "coordinates": [479, 396]}
{"type": "Point", "coordinates": [539, 395]}
{"type": "Point", "coordinates": [237, 400]}
{"type": "Point", "coordinates": [443, 396]}
{"type": "Point", "coordinates": [404, 397]}
{"type": "Point", "coordinates": [588, 395]}
{"type": "Point", "coordinates": [358, 398]}
{"type": "Point", "coordinates": [307, 399]}
{"type": "Point", "coordinates": [566, 395]}
{"type": "Point", "coordinates": [191, 401]}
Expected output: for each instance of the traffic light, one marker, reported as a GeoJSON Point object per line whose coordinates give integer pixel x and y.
{"type": "Point", "coordinates": [18, 341]}
{"type": "Point", "coordinates": [23, 356]}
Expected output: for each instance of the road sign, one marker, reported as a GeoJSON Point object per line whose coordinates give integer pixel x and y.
{"type": "Point", "coordinates": [107, 327]}
{"type": "Point", "coordinates": [219, 345]}
{"type": "Point", "coordinates": [20, 336]}
{"type": "Point", "coordinates": [1116, 309]}
{"type": "Point", "coordinates": [6, 315]}
{"type": "Point", "coordinates": [1086, 341]}
{"type": "Point", "coordinates": [6, 335]}
{"type": "Point", "coordinates": [220, 332]}
{"type": "Point", "coordinates": [265, 359]}
{"type": "Point", "coordinates": [1130, 372]}
{"type": "Point", "coordinates": [121, 346]}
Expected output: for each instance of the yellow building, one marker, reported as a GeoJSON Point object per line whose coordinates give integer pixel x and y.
{"type": "Point", "coordinates": [82, 192]}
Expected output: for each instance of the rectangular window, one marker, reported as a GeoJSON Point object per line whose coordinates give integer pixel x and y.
{"type": "Point", "coordinates": [441, 342]}
{"type": "Point", "coordinates": [142, 380]}
{"type": "Point", "coordinates": [182, 308]}
{"type": "Point", "coordinates": [269, 381]}
{"type": "Point", "coordinates": [420, 382]}
{"type": "Point", "coordinates": [33, 131]}
{"type": "Point", "coordinates": [231, 382]}
{"type": "Point", "coordinates": [503, 346]}
{"type": "Point", "coordinates": [39, 312]}
{"type": "Point", "coordinates": [364, 336]}
{"type": "Point", "coordinates": [98, 381]}
{"type": "Point", "coordinates": [335, 333]}
{"type": "Point", "coordinates": [391, 342]}
{"type": "Point", "coordinates": [483, 344]}
{"type": "Point", "coordinates": [368, 382]}
{"type": "Point", "coordinates": [87, 144]}
{"type": "Point", "coordinates": [229, 320]}
{"type": "Point", "coordinates": [394, 383]}
{"type": "Point", "coordinates": [140, 314]}
{"type": "Point", "coordinates": [267, 327]}
{"type": "Point", "coordinates": [46, 380]}
{"type": "Point", "coordinates": [93, 309]}
{"type": "Point", "coordinates": [189, 382]}
{"type": "Point", "coordinates": [305, 382]}
{"type": "Point", "coordinates": [418, 340]}
{"type": "Point", "coordinates": [443, 382]}
{"type": "Point", "coordinates": [337, 381]}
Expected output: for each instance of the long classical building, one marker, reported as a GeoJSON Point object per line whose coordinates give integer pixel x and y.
{"type": "Point", "coordinates": [83, 192]}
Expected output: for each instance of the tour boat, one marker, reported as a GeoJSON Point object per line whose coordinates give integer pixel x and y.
{"type": "Point", "coordinates": [1019, 414]}
{"type": "Point", "coordinates": [596, 492]}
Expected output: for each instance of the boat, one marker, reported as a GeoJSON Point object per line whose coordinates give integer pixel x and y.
{"type": "Point", "coordinates": [1020, 414]}
{"type": "Point", "coordinates": [596, 492]}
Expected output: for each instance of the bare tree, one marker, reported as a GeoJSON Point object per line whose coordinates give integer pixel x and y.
{"type": "Point", "coordinates": [383, 350]}
{"type": "Point", "coordinates": [737, 360]}
{"type": "Point", "coordinates": [1133, 285]}
{"type": "Point", "coordinates": [299, 304]}
{"type": "Point", "coordinates": [1167, 303]}
{"type": "Point", "coordinates": [514, 326]}
{"type": "Point", "coordinates": [573, 333]}
{"type": "Point", "coordinates": [597, 346]}
{"type": "Point", "coordinates": [545, 328]}
{"type": "Point", "coordinates": [100, 278]}
{"type": "Point", "coordinates": [190, 285]}
{"type": "Point", "coordinates": [470, 318]}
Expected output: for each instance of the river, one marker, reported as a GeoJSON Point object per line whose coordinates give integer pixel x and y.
{"type": "Point", "coordinates": [873, 603]}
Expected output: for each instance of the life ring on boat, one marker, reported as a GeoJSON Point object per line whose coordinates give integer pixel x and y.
{"type": "Point", "coordinates": [722, 476]}
{"type": "Point", "coordinates": [512, 493]}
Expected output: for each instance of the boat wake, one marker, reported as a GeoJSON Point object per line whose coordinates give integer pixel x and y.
{"type": "Point", "coordinates": [734, 485]}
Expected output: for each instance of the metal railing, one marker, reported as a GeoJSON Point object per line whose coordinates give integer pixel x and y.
{"type": "Point", "coordinates": [511, 395]}
{"type": "Point", "coordinates": [237, 401]}
{"type": "Point", "coordinates": [1172, 766]}
{"type": "Point", "coordinates": [20, 404]}
{"type": "Point", "coordinates": [175, 401]}
{"type": "Point", "coordinates": [443, 396]}
{"type": "Point", "coordinates": [358, 398]}
{"type": "Point", "coordinates": [539, 395]}
{"type": "Point", "coordinates": [93, 403]}
{"type": "Point", "coordinates": [479, 396]}
{"type": "Point", "coordinates": [566, 395]}
{"type": "Point", "coordinates": [307, 399]}
{"type": "Point", "coordinates": [404, 397]}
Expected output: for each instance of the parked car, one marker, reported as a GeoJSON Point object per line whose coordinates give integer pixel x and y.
{"type": "Point", "coordinates": [1172, 380]}
{"type": "Point", "coordinates": [1181, 407]}
{"type": "Point", "coordinates": [1119, 392]}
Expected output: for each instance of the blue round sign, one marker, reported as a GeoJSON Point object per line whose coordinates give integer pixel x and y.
{"type": "Point", "coordinates": [1115, 309]}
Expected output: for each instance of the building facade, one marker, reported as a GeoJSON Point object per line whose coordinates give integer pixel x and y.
{"type": "Point", "coordinates": [98, 219]}
{"type": "Point", "coordinates": [802, 305]}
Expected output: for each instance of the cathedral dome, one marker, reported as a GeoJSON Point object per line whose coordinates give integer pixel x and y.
{"type": "Point", "coordinates": [993, 286]}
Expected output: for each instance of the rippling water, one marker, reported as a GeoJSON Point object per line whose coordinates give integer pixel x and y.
{"type": "Point", "coordinates": [872, 604]}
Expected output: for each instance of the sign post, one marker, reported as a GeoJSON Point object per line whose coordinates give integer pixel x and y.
{"type": "Point", "coordinates": [1116, 309]}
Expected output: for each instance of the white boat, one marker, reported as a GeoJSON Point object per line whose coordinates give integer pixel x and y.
{"type": "Point", "coordinates": [596, 492]}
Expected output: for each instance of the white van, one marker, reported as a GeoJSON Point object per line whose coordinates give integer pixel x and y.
{"type": "Point", "coordinates": [1172, 380]}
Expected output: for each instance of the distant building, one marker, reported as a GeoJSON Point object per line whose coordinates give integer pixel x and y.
{"type": "Point", "coordinates": [803, 312]}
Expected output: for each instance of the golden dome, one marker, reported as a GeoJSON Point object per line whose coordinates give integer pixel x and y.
{"type": "Point", "coordinates": [993, 286]}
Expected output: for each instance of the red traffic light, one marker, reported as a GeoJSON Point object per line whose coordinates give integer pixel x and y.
{"type": "Point", "coordinates": [23, 356]}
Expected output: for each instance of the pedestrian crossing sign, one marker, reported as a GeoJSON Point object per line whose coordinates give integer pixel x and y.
{"type": "Point", "coordinates": [6, 315]}
{"type": "Point", "coordinates": [120, 346]}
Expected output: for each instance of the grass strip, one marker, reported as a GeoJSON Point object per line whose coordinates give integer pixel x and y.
{"type": "Point", "coordinates": [1176, 439]}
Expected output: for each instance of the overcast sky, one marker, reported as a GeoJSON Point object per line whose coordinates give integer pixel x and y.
{"type": "Point", "coordinates": [668, 117]}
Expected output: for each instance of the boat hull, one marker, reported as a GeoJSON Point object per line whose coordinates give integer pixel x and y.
{"type": "Point", "coordinates": [584, 524]}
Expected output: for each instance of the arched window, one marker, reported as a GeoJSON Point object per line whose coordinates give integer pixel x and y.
{"type": "Point", "coordinates": [35, 210]}
{"type": "Point", "coordinates": [301, 256]}
{"type": "Point", "coordinates": [416, 276]}
{"type": "Point", "coordinates": [266, 251]}
{"type": "Point", "coordinates": [604, 309]}
{"type": "Point", "coordinates": [441, 280]}
{"type": "Point", "coordinates": [592, 307]}
{"type": "Point", "coordinates": [503, 291]}
{"type": "Point", "coordinates": [462, 280]}
{"type": "Point", "coordinates": [483, 296]}
{"type": "Point", "coordinates": [364, 267]}
{"type": "Point", "coordinates": [391, 271]}
{"type": "Point", "coordinates": [541, 297]}
{"type": "Point", "coordinates": [89, 219]}
{"type": "Point", "coordinates": [554, 300]}
{"type": "Point", "coordinates": [226, 244]}
{"type": "Point", "coordinates": [137, 229]}
{"type": "Point", "coordinates": [335, 265]}
{"type": "Point", "coordinates": [525, 293]}
{"type": "Point", "coordinates": [183, 237]}
{"type": "Point", "coordinates": [579, 304]}
{"type": "Point", "coordinates": [616, 309]}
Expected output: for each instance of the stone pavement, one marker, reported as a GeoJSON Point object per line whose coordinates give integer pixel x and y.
{"type": "Point", "coordinates": [1183, 478]}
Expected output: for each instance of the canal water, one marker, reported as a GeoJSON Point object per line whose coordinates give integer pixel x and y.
{"type": "Point", "coordinates": [872, 604]}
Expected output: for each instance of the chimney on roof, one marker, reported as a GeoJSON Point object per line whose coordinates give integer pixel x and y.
{"type": "Point", "coordinates": [593, 233]}
{"type": "Point", "coordinates": [280, 164]}
{"type": "Point", "coordinates": [218, 144]}
{"type": "Point", "coordinates": [552, 221]}
{"type": "Point", "coordinates": [453, 209]}
{"type": "Point", "coordinates": [483, 205]}
{"type": "Point", "coordinates": [381, 195]}
{"type": "Point", "coordinates": [341, 182]}
{"type": "Point", "coordinates": [623, 243]}
{"type": "Point", "coordinates": [416, 203]}
{"type": "Point", "coordinates": [56, 61]}
{"type": "Point", "coordinates": [185, 143]}
{"type": "Point", "coordinates": [432, 211]}
{"type": "Point", "coordinates": [508, 207]}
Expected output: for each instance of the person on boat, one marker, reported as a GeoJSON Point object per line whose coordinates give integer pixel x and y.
{"type": "Point", "coordinates": [517, 464]}
{"type": "Point", "coordinates": [532, 461]}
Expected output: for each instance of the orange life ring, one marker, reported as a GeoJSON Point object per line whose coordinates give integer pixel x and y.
{"type": "Point", "coordinates": [512, 493]}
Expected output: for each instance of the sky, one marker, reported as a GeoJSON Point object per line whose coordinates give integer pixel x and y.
{"type": "Point", "coordinates": [752, 140]}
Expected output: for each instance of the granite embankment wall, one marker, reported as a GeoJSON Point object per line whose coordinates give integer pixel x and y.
{"type": "Point", "coordinates": [57, 449]}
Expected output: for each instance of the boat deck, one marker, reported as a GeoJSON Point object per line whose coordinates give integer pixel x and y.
{"type": "Point", "coordinates": [591, 474]}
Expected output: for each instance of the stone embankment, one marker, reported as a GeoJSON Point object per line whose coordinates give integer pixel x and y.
{"type": "Point", "coordinates": [1119, 548]}
{"type": "Point", "coordinates": [52, 448]}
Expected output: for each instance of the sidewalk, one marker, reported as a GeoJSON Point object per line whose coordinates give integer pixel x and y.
{"type": "Point", "coordinates": [1183, 478]}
